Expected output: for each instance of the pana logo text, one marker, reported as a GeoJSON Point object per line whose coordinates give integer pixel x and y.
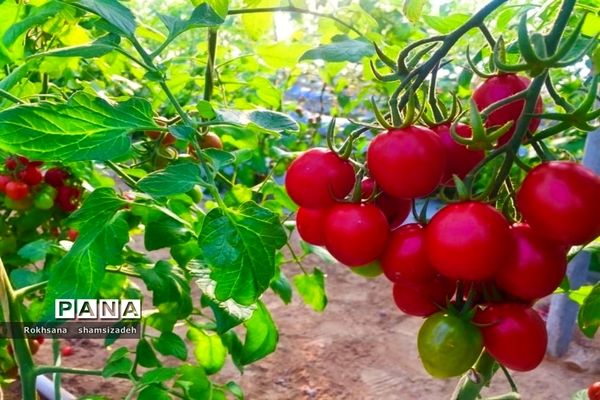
{"type": "Point", "coordinates": [91, 309]}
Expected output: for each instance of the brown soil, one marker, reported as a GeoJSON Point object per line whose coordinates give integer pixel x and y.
{"type": "Point", "coordinates": [360, 348]}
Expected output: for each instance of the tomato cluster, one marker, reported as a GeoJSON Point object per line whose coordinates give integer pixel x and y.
{"type": "Point", "coordinates": [26, 185]}
{"type": "Point", "coordinates": [473, 274]}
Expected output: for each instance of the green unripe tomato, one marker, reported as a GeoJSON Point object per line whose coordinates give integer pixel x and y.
{"type": "Point", "coordinates": [448, 345]}
{"type": "Point", "coordinates": [370, 270]}
{"type": "Point", "coordinates": [18, 205]}
{"type": "Point", "coordinates": [43, 201]}
{"type": "Point", "coordinates": [196, 194]}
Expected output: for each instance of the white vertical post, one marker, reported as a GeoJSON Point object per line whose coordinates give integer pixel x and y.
{"type": "Point", "coordinates": [563, 311]}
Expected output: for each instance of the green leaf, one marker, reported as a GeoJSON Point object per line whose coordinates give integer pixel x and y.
{"type": "Point", "coordinates": [112, 11]}
{"type": "Point", "coordinates": [174, 179]}
{"type": "Point", "coordinates": [228, 313]}
{"type": "Point", "coordinates": [261, 336]}
{"type": "Point", "coordinates": [153, 393]}
{"type": "Point", "coordinates": [170, 344]}
{"type": "Point", "coordinates": [84, 128]}
{"type": "Point", "coordinates": [165, 232]}
{"type": "Point", "coordinates": [220, 6]}
{"type": "Point", "coordinates": [581, 395]}
{"type": "Point", "coordinates": [194, 383]}
{"type": "Point", "coordinates": [158, 375]}
{"type": "Point", "coordinates": [281, 55]}
{"type": "Point", "coordinates": [36, 250]}
{"type": "Point", "coordinates": [258, 24]}
{"type": "Point", "coordinates": [182, 132]}
{"type": "Point", "coordinates": [171, 291]}
{"type": "Point", "coordinates": [91, 50]}
{"type": "Point", "coordinates": [281, 286]}
{"type": "Point", "coordinates": [311, 288]}
{"type": "Point", "coordinates": [145, 355]}
{"type": "Point", "coordinates": [102, 234]}
{"type": "Point", "coordinates": [208, 349]}
{"type": "Point", "coordinates": [447, 23]}
{"type": "Point", "coordinates": [591, 26]}
{"type": "Point", "coordinates": [117, 363]}
{"type": "Point", "coordinates": [265, 119]}
{"type": "Point", "coordinates": [346, 50]}
{"type": "Point", "coordinates": [589, 313]}
{"type": "Point", "coordinates": [239, 246]}
{"type": "Point", "coordinates": [37, 16]}
{"type": "Point", "coordinates": [235, 390]}
{"type": "Point", "coordinates": [203, 16]}
{"type": "Point", "coordinates": [412, 9]}
{"type": "Point", "coordinates": [205, 109]}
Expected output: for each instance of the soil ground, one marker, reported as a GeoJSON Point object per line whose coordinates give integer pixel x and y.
{"type": "Point", "coordinates": [360, 348]}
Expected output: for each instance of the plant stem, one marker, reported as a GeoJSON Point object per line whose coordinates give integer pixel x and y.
{"type": "Point", "coordinates": [122, 174]}
{"type": "Point", "coordinates": [19, 294]}
{"type": "Point", "coordinates": [64, 370]}
{"type": "Point", "coordinates": [11, 310]}
{"type": "Point", "coordinates": [469, 386]}
{"type": "Point", "coordinates": [210, 64]}
{"type": "Point", "coordinates": [10, 97]}
{"type": "Point", "coordinates": [419, 74]}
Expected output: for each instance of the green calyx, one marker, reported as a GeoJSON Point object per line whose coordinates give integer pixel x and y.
{"type": "Point", "coordinates": [482, 138]}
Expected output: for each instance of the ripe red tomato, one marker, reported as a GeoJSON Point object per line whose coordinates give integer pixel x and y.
{"type": "Point", "coordinates": [422, 299]}
{"type": "Point", "coordinates": [72, 234]}
{"type": "Point", "coordinates": [468, 241]}
{"type": "Point", "coordinates": [514, 334]}
{"type": "Point", "coordinates": [498, 88]}
{"type": "Point", "coordinates": [67, 351]}
{"type": "Point", "coordinates": [211, 141]}
{"type": "Point", "coordinates": [318, 177]}
{"type": "Point", "coordinates": [407, 162]}
{"type": "Point", "coordinates": [4, 179]}
{"type": "Point", "coordinates": [31, 175]}
{"type": "Point", "coordinates": [56, 177]}
{"type": "Point", "coordinates": [395, 210]}
{"type": "Point", "coordinates": [405, 258]}
{"type": "Point", "coordinates": [460, 160]}
{"type": "Point", "coordinates": [67, 198]}
{"type": "Point", "coordinates": [310, 223]}
{"type": "Point", "coordinates": [16, 190]}
{"type": "Point", "coordinates": [355, 234]}
{"type": "Point", "coordinates": [559, 199]}
{"type": "Point", "coordinates": [168, 140]}
{"type": "Point", "coordinates": [535, 268]}
{"type": "Point", "coordinates": [594, 391]}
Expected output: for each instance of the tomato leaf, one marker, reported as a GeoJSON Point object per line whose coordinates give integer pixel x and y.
{"type": "Point", "coordinates": [158, 375]}
{"type": "Point", "coordinates": [203, 16]}
{"type": "Point", "coordinates": [412, 9]}
{"type": "Point", "coordinates": [170, 344]}
{"type": "Point", "coordinates": [37, 16]}
{"type": "Point", "coordinates": [261, 336]}
{"type": "Point", "coordinates": [281, 286]}
{"type": "Point", "coordinates": [145, 355]}
{"type": "Point", "coordinates": [239, 247]}
{"type": "Point", "coordinates": [36, 250]}
{"type": "Point", "coordinates": [174, 179]}
{"type": "Point", "coordinates": [589, 313]}
{"type": "Point", "coordinates": [194, 383]}
{"type": "Point", "coordinates": [153, 392]}
{"type": "Point", "coordinates": [208, 349]}
{"type": "Point", "coordinates": [311, 288]}
{"type": "Point", "coordinates": [84, 128]}
{"type": "Point", "coordinates": [102, 234]}
{"type": "Point", "coordinates": [170, 289]}
{"type": "Point", "coordinates": [447, 23]}
{"type": "Point", "coordinates": [113, 11]}
{"type": "Point", "coordinates": [345, 50]}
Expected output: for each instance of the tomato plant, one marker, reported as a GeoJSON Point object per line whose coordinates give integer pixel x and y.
{"type": "Point", "coordinates": [168, 153]}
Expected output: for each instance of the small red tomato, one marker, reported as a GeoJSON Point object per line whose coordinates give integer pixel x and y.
{"type": "Point", "coordinates": [395, 210]}
{"type": "Point", "coordinates": [460, 160]}
{"type": "Point", "coordinates": [405, 258]}
{"type": "Point", "coordinates": [67, 198]}
{"type": "Point", "coordinates": [423, 299]}
{"type": "Point", "coordinates": [310, 223]}
{"type": "Point", "coordinates": [594, 391]}
{"type": "Point", "coordinates": [318, 177]}
{"type": "Point", "coordinates": [72, 234]}
{"type": "Point", "coordinates": [355, 234]}
{"type": "Point", "coordinates": [40, 339]}
{"type": "Point", "coordinates": [535, 268]}
{"type": "Point", "coordinates": [67, 351]}
{"type": "Point", "coordinates": [11, 163]}
{"type": "Point", "coordinates": [16, 190]}
{"type": "Point", "coordinates": [559, 199]}
{"type": "Point", "coordinates": [56, 177]}
{"type": "Point", "coordinates": [514, 334]}
{"type": "Point", "coordinates": [31, 175]}
{"type": "Point", "coordinates": [468, 241]}
{"type": "Point", "coordinates": [168, 140]}
{"type": "Point", "coordinates": [407, 162]}
{"type": "Point", "coordinates": [498, 88]}
{"type": "Point", "coordinates": [4, 179]}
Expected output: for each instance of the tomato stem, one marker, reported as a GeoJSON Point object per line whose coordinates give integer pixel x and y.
{"type": "Point", "coordinates": [472, 382]}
